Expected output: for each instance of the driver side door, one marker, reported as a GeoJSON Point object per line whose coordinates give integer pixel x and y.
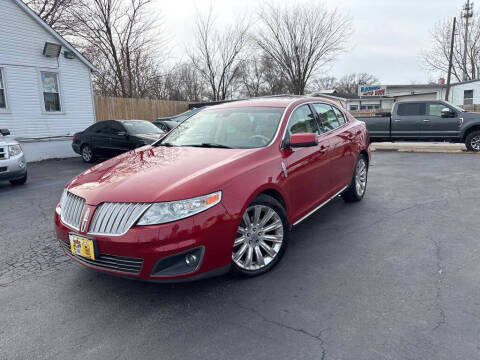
{"type": "Point", "coordinates": [436, 126]}
{"type": "Point", "coordinates": [306, 168]}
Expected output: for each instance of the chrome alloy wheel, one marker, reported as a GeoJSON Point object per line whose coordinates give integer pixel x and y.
{"type": "Point", "coordinates": [87, 153]}
{"type": "Point", "coordinates": [361, 176]}
{"type": "Point", "coordinates": [475, 143]}
{"type": "Point", "coordinates": [259, 238]}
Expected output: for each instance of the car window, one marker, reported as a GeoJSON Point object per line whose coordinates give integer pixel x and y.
{"type": "Point", "coordinates": [411, 109]}
{"type": "Point", "coordinates": [302, 121]}
{"type": "Point", "coordinates": [115, 127]}
{"type": "Point", "coordinates": [108, 128]}
{"type": "Point", "coordinates": [435, 109]}
{"type": "Point", "coordinates": [326, 116]}
{"type": "Point", "coordinates": [136, 127]}
{"type": "Point", "coordinates": [236, 127]}
{"type": "Point", "coordinates": [94, 128]}
{"type": "Point", "coordinates": [340, 116]}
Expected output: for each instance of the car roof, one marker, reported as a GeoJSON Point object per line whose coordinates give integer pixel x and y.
{"type": "Point", "coordinates": [274, 101]}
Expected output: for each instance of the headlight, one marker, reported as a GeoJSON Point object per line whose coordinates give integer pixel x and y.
{"type": "Point", "coordinates": [14, 150]}
{"type": "Point", "coordinates": [164, 212]}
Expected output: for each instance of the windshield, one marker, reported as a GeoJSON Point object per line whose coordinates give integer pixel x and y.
{"type": "Point", "coordinates": [137, 127]}
{"type": "Point", "coordinates": [246, 127]}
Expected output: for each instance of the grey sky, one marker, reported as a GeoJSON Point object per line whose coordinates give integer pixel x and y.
{"type": "Point", "coordinates": [388, 34]}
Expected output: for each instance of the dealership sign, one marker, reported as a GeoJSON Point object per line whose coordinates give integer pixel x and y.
{"type": "Point", "coordinates": [374, 90]}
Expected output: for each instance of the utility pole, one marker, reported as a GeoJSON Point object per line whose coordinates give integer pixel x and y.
{"type": "Point", "coordinates": [467, 14]}
{"type": "Point", "coordinates": [450, 61]}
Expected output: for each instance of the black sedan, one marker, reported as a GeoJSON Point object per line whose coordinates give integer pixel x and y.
{"type": "Point", "coordinates": [165, 125]}
{"type": "Point", "coordinates": [113, 137]}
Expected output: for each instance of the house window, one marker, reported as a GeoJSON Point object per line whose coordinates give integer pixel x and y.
{"type": "Point", "coordinates": [468, 97]}
{"type": "Point", "coordinates": [51, 93]}
{"type": "Point", "coordinates": [3, 95]}
{"type": "Point", "coordinates": [353, 107]}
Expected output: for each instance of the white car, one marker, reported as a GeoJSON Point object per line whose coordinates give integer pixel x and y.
{"type": "Point", "coordinates": [13, 166]}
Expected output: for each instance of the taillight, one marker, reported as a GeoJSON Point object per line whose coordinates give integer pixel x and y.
{"type": "Point", "coordinates": [73, 139]}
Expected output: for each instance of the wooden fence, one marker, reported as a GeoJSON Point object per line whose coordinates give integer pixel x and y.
{"type": "Point", "coordinates": [108, 108]}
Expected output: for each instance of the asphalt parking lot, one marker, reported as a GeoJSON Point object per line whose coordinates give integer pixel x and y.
{"type": "Point", "coordinates": [393, 277]}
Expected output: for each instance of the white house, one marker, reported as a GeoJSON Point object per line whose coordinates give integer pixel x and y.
{"type": "Point", "coordinates": [45, 84]}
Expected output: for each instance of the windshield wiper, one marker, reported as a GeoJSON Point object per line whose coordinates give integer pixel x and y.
{"type": "Point", "coordinates": [209, 145]}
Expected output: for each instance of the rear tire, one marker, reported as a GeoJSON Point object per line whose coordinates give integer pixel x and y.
{"type": "Point", "coordinates": [20, 181]}
{"type": "Point", "coordinates": [356, 190]}
{"type": "Point", "coordinates": [262, 237]}
{"type": "Point", "coordinates": [472, 141]}
{"type": "Point", "coordinates": [87, 153]}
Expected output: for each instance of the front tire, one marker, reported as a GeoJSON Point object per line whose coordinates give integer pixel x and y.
{"type": "Point", "coordinates": [20, 181]}
{"type": "Point", "coordinates": [358, 185]}
{"type": "Point", "coordinates": [262, 237]}
{"type": "Point", "coordinates": [472, 141]}
{"type": "Point", "coordinates": [87, 154]}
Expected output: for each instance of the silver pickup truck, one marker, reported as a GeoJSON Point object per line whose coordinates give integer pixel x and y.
{"type": "Point", "coordinates": [430, 120]}
{"type": "Point", "coordinates": [13, 166]}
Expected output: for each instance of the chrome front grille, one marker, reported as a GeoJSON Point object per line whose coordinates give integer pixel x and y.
{"type": "Point", "coordinates": [109, 262]}
{"type": "Point", "coordinates": [72, 209]}
{"type": "Point", "coordinates": [115, 218]}
{"type": "Point", "coordinates": [3, 152]}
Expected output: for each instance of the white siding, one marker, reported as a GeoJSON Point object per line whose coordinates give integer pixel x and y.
{"type": "Point", "coordinates": [22, 41]}
{"type": "Point", "coordinates": [456, 92]}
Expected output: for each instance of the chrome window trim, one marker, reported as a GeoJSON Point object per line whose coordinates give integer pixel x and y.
{"type": "Point", "coordinates": [320, 206]}
{"type": "Point", "coordinates": [347, 121]}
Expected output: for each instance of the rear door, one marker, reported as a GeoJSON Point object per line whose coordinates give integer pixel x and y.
{"type": "Point", "coordinates": [306, 168]}
{"type": "Point", "coordinates": [434, 126]}
{"type": "Point", "coordinates": [407, 120]}
{"type": "Point", "coordinates": [340, 135]}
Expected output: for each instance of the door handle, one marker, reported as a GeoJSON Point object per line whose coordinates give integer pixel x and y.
{"type": "Point", "coordinates": [397, 120]}
{"type": "Point", "coordinates": [426, 120]}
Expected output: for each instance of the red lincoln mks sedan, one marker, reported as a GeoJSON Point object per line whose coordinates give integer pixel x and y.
{"type": "Point", "coordinates": [220, 191]}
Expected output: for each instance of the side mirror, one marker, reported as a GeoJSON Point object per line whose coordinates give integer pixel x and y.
{"type": "Point", "coordinates": [303, 140]}
{"type": "Point", "coordinates": [4, 132]}
{"type": "Point", "coordinates": [447, 113]}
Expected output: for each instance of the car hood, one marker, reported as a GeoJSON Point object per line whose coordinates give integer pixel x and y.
{"type": "Point", "coordinates": [153, 174]}
{"type": "Point", "coordinates": [7, 140]}
{"type": "Point", "coordinates": [470, 116]}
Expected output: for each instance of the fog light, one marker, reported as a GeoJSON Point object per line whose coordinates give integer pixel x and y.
{"type": "Point", "coordinates": [21, 164]}
{"type": "Point", "coordinates": [191, 260]}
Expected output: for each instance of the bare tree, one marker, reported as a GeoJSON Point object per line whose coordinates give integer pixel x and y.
{"type": "Point", "coordinates": [301, 39]}
{"type": "Point", "coordinates": [56, 13]}
{"type": "Point", "coordinates": [182, 82]}
{"type": "Point", "coordinates": [324, 83]}
{"type": "Point", "coordinates": [261, 76]}
{"type": "Point", "coordinates": [217, 55]}
{"type": "Point", "coordinates": [348, 84]}
{"type": "Point", "coordinates": [252, 77]}
{"type": "Point", "coordinates": [123, 40]}
{"type": "Point", "coordinates": [437, 58]}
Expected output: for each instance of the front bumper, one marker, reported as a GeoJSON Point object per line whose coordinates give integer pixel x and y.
{"type": "Point", "coordinates": [137, 253]}
{"type": "Point", "coordinates": [15, 167]}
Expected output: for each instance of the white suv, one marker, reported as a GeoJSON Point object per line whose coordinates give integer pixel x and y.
{"type": "Point", "coordinates": [13, 166]}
